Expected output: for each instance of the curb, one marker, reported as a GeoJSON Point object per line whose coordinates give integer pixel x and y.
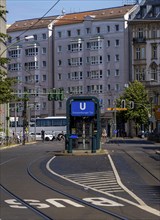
{"type": "Point", "coordinates": [15, 145]}
{"type": "Point", "coordinates": [81, 153]}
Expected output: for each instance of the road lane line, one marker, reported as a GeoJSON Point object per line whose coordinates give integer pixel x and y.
{"type": "Point", "coordinates": [143, 207]}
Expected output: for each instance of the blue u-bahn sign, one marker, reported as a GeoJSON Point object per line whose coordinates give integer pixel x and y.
{"type": "Point", "coordinates": [82, 108]}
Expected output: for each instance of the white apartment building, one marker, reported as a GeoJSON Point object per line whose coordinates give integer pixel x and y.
{"type": "Point", "coordinates": [85, 53]}
{"type": "Point", "coordinates": [31, 62]}
{"type": "Point", "coordinates": [91, 55]}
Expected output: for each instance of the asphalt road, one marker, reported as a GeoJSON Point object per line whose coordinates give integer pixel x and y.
{"type": "Point", "coordinates": [38, 182]}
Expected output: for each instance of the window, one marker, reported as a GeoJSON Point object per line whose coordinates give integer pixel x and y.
{"type": "Point", "coordinates": [35, 36]}
{"type": "Point", "coordinates": [44, 36]}
{"type": "Point", "coordinates": [59, 48]}
{"type": "Point", "coordinates": [59, 62]}
{"type": "Point", "coordinates": [140, 73]}
{"type": "Point", "coordinates": [75, 90]}
{"type": "Point", "coordinates": [140, 53]}
{"type": "Point", "coordinates": [59, 34]}
{"type": "Point", "coordinates": [31, 65]}
{"type": "Point", "coordinates": [154, 51]}
{"type": "Point", "coordinates": [77, 61]}
{"type": "Point", "coordinates": [109, 102]}
{"type": "Point", "coordinates": [108, 43]}
{"type": "Point", "coordinates": [108, 73]}
{"type": "Point", "coordinates": [14, 53]}
{"type": "Point", "coordinates": [108, 58]}
{"type": "Point", "coordinates": [117, 27]}
{"type": "Point", "coordinates": [78, 32]}
{"type": "Point", "coordinates": [44, 77]}
{"type": "Point", "coordinates": [31, 51]}
{"type": "Point", "coordinates": [117, 72]}
{"type": "Point", "coordinates": [154, 73]}
{"type": "Point", "coordinates": [98, 30]}
{"type": "Point", "coordinates": [154, 32]}
{"type": "Point", "coordinates": [59, 104]}
{"type": "Point", "coordinates": [108, 87]}
{"type": "Point", "coordinates": [59, 76]}
{"type": "Point", "coordinates": [94, 45]}
{"type": "Point", "coordinates": [36, 78]}
{"type": "Point", "coordinates": [44, 105]}
{"type": "Point", "coordinates": [117, 87]}
{"type": "Point", "coordinates": [96, 89]}
{"type": "Point", "coordinates": [96, 74]}
{"type": "Point", "coordinates": [116, 42]}
{"type": "Point", "coordinates": [94, 60]}
{"type": "Point", "coordinates": [75, 47]}
{"type": "Point", "coordinates": [14, 67]}
{"type": "Point", "coordinates": [108, 28]}
{"type": "Point", "coordinates": [44, 50]}
{"type": "Point", "coordinates": [44, 64]}
{"type": "Point", "coordinates": [75, 75]}
{"type": "Point", "coordinates": [140, 33]}
{"type": "Point", "coordinates": [69, 33]}
{"type": "Point", "coordinates": [117, 57]}
{"type": "Point", "coordinates": [88, 30]}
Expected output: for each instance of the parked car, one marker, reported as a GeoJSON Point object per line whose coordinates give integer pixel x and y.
{"type": "Point", "coordinates": [143, 134]}
{"type": "Point", "coordinates": [48, 137]}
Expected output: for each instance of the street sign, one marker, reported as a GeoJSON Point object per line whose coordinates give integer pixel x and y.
{"type": "Point", "coordinates": [116, 109]}
{"type": "Point", "coordinates": [82, 108]}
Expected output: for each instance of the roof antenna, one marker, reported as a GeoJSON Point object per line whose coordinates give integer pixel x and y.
{"type": "Point", "coordinates": [63, 11]}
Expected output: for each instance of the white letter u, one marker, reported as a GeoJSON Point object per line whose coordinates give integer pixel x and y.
{"type": "Point", "coordinates": [82, 107]}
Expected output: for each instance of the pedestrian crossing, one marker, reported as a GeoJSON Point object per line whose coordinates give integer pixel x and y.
{"type": "Point", "coordinates": [102, 181]}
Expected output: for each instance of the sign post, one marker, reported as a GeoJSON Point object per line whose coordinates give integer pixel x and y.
{"type": "Point", "coordinates": [83, 124]}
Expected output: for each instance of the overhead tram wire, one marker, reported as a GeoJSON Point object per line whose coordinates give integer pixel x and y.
{"type": "Point", "coordinates": [39, 19]}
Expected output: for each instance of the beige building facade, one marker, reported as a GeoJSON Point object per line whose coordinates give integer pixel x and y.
{"type": "Point", "coordinates": [3, 107]}
{"type": "Point", "coordinates": [145, 38]}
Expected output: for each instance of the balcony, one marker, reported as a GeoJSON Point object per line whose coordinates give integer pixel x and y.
{"type": "Point", "coordinates": [138, 40]}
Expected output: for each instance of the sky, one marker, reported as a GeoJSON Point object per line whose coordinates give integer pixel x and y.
{"type": "Point", "coordinates": [28, 9]}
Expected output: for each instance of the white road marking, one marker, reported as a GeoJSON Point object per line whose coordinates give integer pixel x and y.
{"type": "Point", "coordinates": [142, 205]}
{"type": "Point", "coordinates": [105, 181]}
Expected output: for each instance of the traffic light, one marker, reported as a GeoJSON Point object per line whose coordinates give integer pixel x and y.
{"type": "Point", "coordinates": [56, 94]}
{"type": "Point", "coordinates": [50, 97]}
{"type": "Point", "coordinates": [61, 95]}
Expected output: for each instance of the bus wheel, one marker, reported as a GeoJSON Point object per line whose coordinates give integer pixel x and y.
{"type": "Point", "coordinates": [61, 137]}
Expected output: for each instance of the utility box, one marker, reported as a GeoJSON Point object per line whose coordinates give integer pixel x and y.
{"type": "Point", "coordinates": [83, 124]}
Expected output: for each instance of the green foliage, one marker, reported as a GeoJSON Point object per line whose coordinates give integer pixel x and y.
{"type": "Point", "coordinates": [136, 93]}
{"type": "Point", "coordinates": [2, 11]}
{"type": "Point", "coordinates": [6, 83]}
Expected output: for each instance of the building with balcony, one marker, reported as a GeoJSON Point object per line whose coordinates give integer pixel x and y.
{"type": "Point", "coordinates": [91, 51]}
{"type": "Point", "coordinates": [145, 64]}
{"type": "Point", "coordinates": [31, 62]}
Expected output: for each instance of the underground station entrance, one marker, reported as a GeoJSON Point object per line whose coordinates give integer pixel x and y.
{"type": "Point", "coordinates": [83, 124]}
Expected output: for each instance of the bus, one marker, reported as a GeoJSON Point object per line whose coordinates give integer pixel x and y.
{"type": "Point", "coordinates": [55, 125]}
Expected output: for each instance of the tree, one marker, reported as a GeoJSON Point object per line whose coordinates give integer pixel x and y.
{"type": "Point", "coordinates": [136, 101]}
{"type": "Point", "coordinates": [6, 83]}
